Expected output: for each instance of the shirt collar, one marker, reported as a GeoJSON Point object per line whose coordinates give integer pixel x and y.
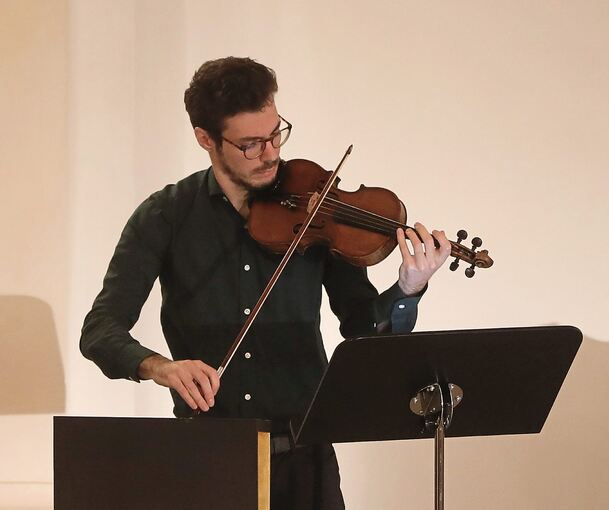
{"type": "Point", "coordinates": [213, 186]}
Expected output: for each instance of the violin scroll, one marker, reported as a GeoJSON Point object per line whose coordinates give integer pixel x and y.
{"type": "Point", "coordinates": [469, 255]}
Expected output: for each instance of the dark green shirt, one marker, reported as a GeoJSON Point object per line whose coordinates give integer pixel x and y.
{"type": "Point", "coordinates": [211, 274]}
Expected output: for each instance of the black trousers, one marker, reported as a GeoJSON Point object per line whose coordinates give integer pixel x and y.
{"type": "Point", "coordinates": [306, 478]}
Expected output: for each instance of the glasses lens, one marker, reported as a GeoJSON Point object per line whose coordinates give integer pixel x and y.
{"type": "Point", "coordinates": [253, 150]}
{"type": "Point", "coordinates": [281, 137]}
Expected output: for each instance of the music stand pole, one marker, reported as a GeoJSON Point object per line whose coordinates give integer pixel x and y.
{"type": "Point", "coordinates": [439, 466]}
{"type": "Point", "coordinates": [435, 403]}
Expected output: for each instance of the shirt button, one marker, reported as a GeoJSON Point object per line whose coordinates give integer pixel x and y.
{"type": "Point", "coordinates": [247, 355]}
{"type": "Point", "coordinates": [401, 307]}
{"type": "Point", "coordinates": [247, 396]}
{"type": "Point", "coordinates": [247, 311]}
{"type": "Point", "coordinates": [246, 267]}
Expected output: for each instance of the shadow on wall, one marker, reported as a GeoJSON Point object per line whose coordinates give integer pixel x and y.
{"type": "Point", "coordinates": [32, 377]}
{"type": "Point", "coordinates": [573, 451]}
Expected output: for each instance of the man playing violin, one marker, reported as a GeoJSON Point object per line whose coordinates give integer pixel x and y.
{"type": "Point", "coordinates": [192, 235]}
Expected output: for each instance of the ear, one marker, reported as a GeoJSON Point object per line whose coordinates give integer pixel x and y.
{"type": "Point", "coordinates": [204, 139]}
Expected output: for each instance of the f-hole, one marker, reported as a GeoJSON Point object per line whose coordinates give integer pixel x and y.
{"type": "Point", "coordinates": [318, 226]}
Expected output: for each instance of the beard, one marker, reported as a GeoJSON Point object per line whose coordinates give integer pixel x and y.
{"type": "Point", "coordinates": [248, 185]}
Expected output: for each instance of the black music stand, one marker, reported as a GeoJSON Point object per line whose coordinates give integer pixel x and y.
{"type": "Point", "coordinates": [504, 381]}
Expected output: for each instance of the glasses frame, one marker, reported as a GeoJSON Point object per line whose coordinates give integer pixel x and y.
{"type": "Point", "coordinates": [263, 141]}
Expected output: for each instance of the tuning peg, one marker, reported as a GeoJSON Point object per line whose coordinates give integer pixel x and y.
{"type": "Point", "coordinates": [461, 236]}
{"type": "Point", "coordinates": [470, 271]}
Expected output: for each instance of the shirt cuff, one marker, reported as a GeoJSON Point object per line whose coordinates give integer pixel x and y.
{"type": "Point", "coordinates": [404, 312]}
{"type": "Point", "coordinates": [132, 356]}
{"type": "Point", "coordinates": [388, 300]}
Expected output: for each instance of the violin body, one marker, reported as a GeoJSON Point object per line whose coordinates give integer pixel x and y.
{"type": "Point", "coordinates": [345, 223]}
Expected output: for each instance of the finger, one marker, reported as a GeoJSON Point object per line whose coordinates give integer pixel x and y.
{"type": "Point", "coordinates": [195, 392]}
{"type": "Point", "coordinates": [205, 387]}
{"type": "Point", "coordinates": [427, 239]}
{"type": "Point", "coordinates": [185, 394]}
{"type": "Point", "coordinates": [417, 246]}
{"type": "Point", "coordinates": [213, 377]}
{"type": "Point", "coordinates": [445, 246]}
{"type": "Point", "coordinates": [406, 255]}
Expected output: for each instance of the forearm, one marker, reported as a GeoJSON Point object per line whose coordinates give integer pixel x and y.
{"type": "Point", "coordinates": [110, 346]}
{"type": "Point", "coordinates": [134, 267]}
{"type": "Point", "coordinates": [359, 307]}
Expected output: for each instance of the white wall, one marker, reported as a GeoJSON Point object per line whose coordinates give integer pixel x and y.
{"type": "Point", "coordinates": [34, 259]}
{"type": "Point", "coordinates": [489, 116]}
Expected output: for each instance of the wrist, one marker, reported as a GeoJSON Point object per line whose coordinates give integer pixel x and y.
{"type": "Point", "coordinates": [412, 291]}
{"type": "Point", "coordinates": [149, 365]}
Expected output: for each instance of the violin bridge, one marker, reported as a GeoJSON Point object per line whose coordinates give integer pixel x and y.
{"type": "Point", "coordinates": [312, 201]}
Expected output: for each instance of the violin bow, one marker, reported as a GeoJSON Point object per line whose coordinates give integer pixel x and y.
{"type": "Point", "coordinates": [313, 208]}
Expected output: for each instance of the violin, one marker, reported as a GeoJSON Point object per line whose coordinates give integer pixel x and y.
{"type": "Point", "coordinates": [358, 226]}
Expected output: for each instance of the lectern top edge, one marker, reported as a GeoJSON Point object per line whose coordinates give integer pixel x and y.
{"type": "Point", "coordinates": [260, 425]}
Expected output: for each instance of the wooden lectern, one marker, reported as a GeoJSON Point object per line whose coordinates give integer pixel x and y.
{"type": "Point", "coordinates": [161, 463]}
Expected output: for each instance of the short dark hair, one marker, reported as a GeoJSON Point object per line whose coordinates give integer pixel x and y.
{"type": "Point", "coordinates": [225, 87]}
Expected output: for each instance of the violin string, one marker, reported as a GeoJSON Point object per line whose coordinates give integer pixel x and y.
{"type": "Point", "coordinates": [345, 216]}
{"type": "Point", "coordinates": [366, 214]}
{"type": "Point", "coordinates": [356, 216]}
{"type": "Point", "coordinates": [368, 220]}
{"type": "Point", "coordinates": [365, 218]}
{"type": "Point", "coordinates": [356, 220]}
{"type": "Point", "coordinates": [388, 226]}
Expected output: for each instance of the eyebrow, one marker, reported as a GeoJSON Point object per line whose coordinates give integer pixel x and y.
{"type": "Point", "coordinates": [254, 138]}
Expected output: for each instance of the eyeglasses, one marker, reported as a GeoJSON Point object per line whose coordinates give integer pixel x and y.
{"type": "Point", "coordinates": [254, 149]}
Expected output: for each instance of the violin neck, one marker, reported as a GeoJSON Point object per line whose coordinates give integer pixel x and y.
{"type": "Point", "coordinates": [348, 214]}
{"type": "Point", "coordinates": [360, 218]}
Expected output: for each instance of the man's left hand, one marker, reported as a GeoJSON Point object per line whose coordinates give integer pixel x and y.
{"type": "Point", "coordinates": [419, 265]}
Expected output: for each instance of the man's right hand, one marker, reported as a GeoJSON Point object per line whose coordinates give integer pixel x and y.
{"type": "Point", "coordinates": [195, 382]}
